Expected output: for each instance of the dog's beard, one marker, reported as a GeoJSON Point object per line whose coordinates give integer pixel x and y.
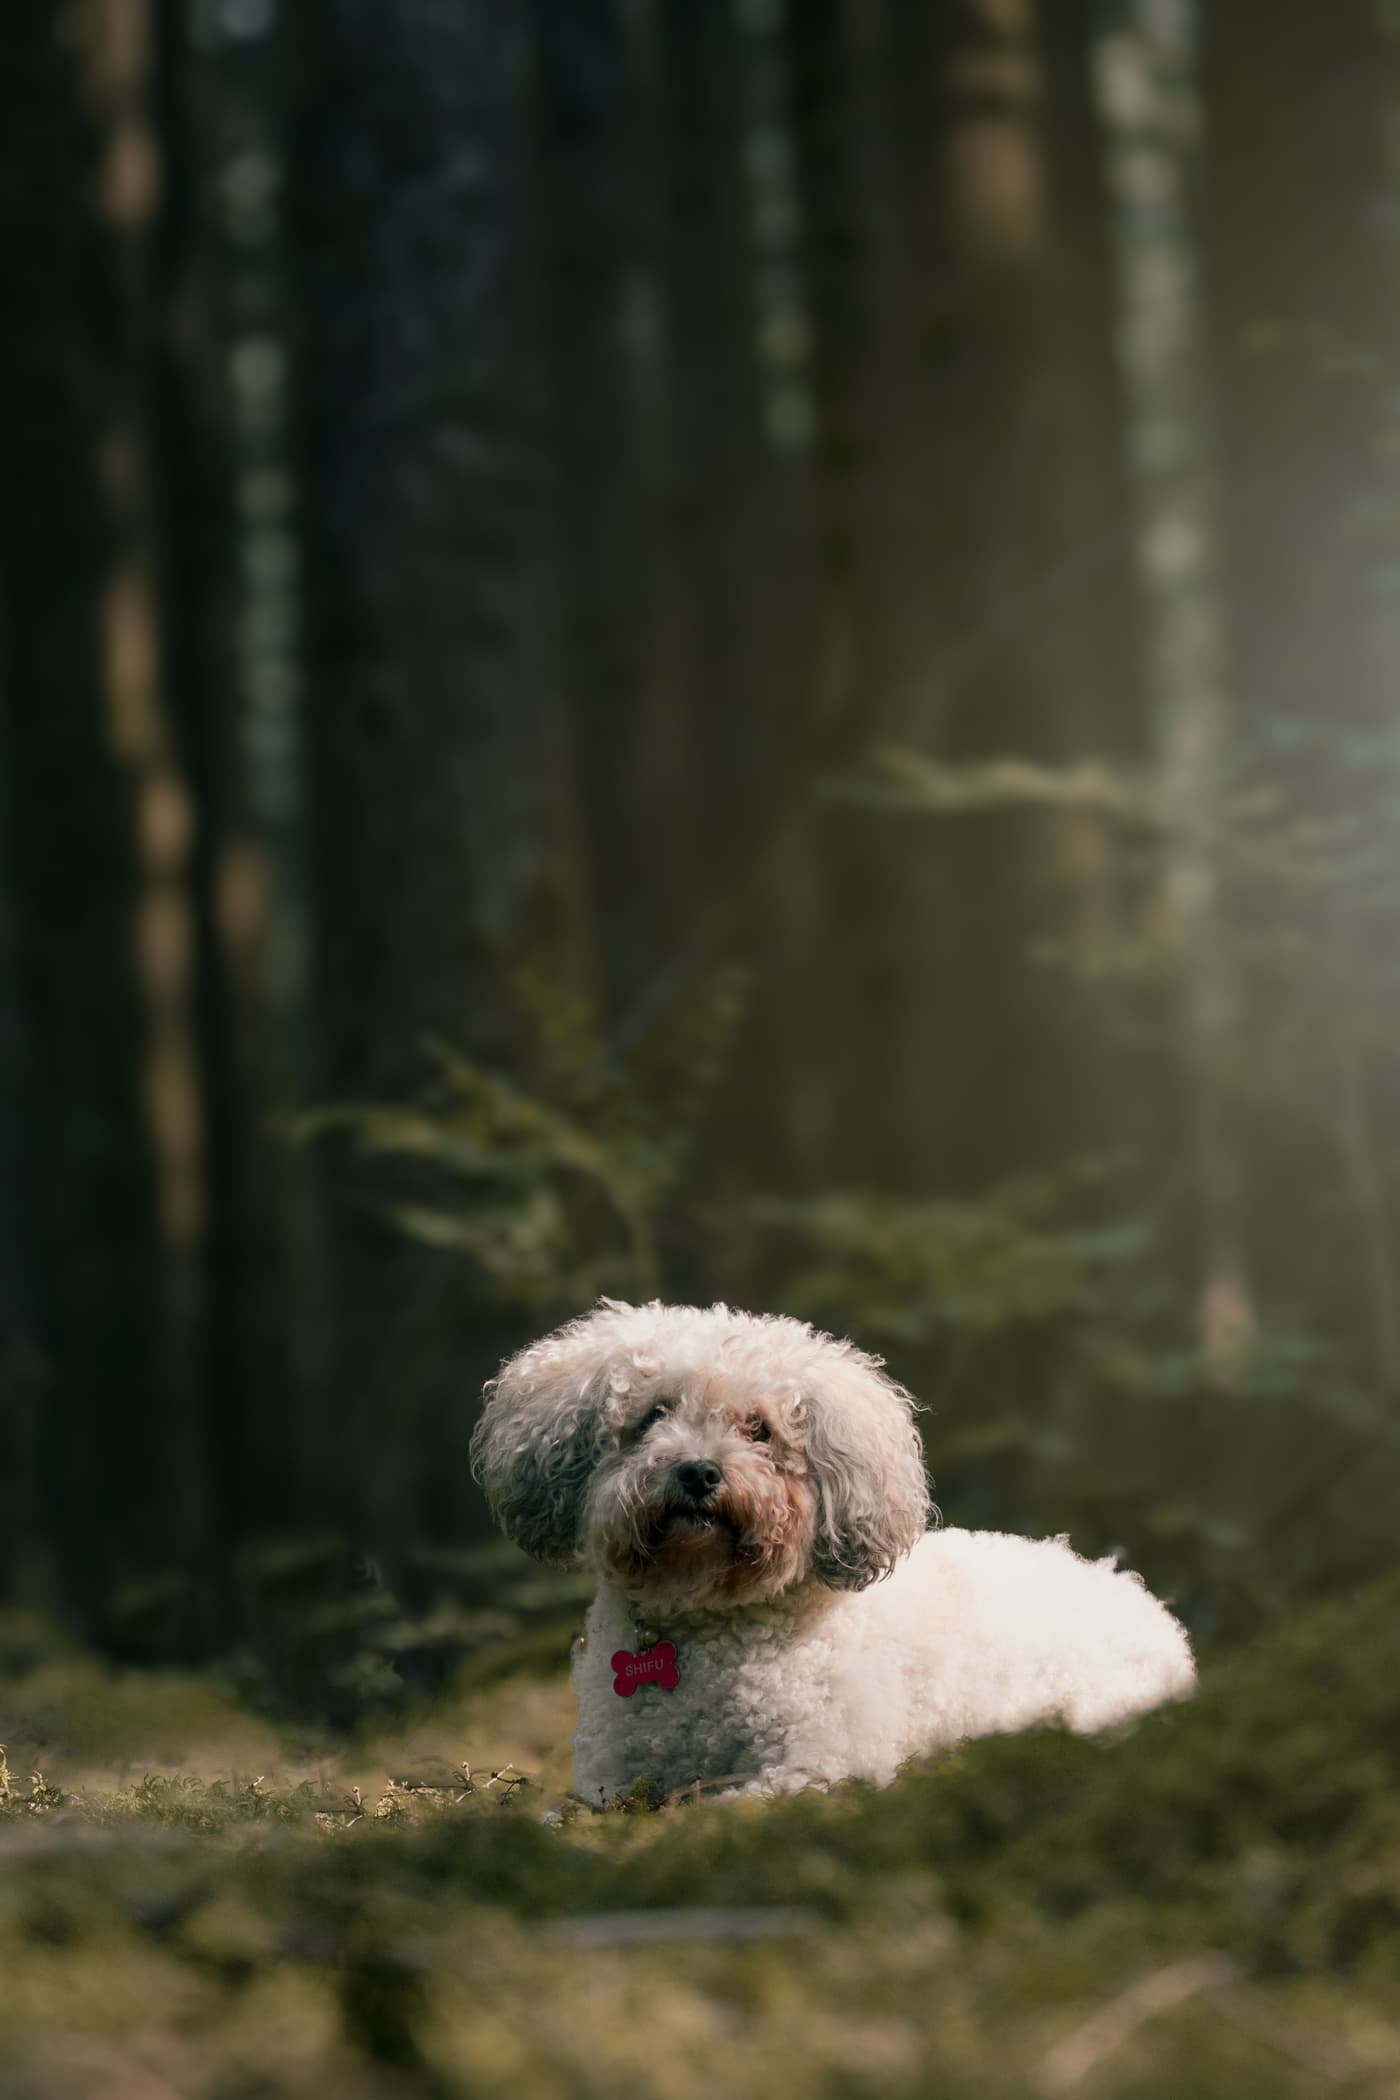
{"type": "Point", "coordinates": [750, 1541]}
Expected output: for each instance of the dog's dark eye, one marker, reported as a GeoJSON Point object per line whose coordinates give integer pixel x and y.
{"type": "Point", "coordinates": [758, 1430]}
{"type": "Point", "coordinates": [650, 1419]}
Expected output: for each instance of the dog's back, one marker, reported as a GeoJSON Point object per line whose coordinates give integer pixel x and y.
{"type": "Point", "coordinates": [974, 1633]}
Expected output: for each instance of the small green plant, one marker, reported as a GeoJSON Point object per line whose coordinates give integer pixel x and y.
{"type": "Point", "coordinates": [553, 1192]}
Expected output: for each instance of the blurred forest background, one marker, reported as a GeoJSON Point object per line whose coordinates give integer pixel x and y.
{"type": "Point", "coordinates": [663, 646]}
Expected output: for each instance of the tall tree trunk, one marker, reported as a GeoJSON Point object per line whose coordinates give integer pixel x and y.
{"type": "Point", "coordinates": [745, 626]}
{"type": "Point", "coordinates": [1303, 256]}
{"type": "Point", "coordinates": [104, 821]}
{"type": "Point", "coordinates": [602, 147]}
{"type": "Point", "coordinates": [445, 836]}
{"type": "Point", "coordinates": [882, 898]}
{"type": "Point", "coordinates": [685, 443]}
{"type": "Point", "coordinates": [1082, 640]}
{"type": "Point", "coordinates": [792, 725]}
{"type": "Point", "coordinates": [232, 618]}
{"type": "Point", "coordinates": [22, 1559]}
{"type": "Point", "coordinates": [1148, 92]}
{"type": "Point", "coordinates": [960, 266]}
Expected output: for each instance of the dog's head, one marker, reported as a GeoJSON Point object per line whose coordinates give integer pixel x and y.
{"type": "Point", "coordinates": [703, 1457]}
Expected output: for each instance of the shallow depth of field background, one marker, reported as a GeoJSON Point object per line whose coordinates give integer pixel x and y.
{"type": "Point", "coordinates": [704, 648]}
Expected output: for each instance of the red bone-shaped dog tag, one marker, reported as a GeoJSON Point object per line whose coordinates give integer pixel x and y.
{"type": "Point", "coordinates": [648, 1666]}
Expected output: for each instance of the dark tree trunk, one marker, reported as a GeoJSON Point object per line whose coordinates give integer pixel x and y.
{"type": "Point", "coordinates": [601, 311]}
{"type": "Point", "coordinates": [746, 635]}
{"type": "Point", "coordinates": [111, 1186]}
{"type": "Point", "coordinates": [959, 268]}
{"type": "Point", "coordinates": [23, 1571]}
{"type": "Point", "coordinates": [691, 530]}
{"type": "Point", "coordinates": [875, 485]}
{"type": "Point", "coordinates": [445, 853]}
{"type": "Point", "coordinates": [230, 612]}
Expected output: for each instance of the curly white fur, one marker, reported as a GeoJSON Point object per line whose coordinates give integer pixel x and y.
{"type": "Point", "coordinates": [822, 1631]}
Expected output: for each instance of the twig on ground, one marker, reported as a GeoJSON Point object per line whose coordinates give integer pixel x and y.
{"type": "Point", "coordinates": [1216, 1978]}
{"type": "Point", "coordinates": [1072, 2060]}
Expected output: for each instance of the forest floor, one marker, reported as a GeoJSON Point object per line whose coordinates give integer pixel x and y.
{"type": "Point", "coordinates": [1209, 1905]}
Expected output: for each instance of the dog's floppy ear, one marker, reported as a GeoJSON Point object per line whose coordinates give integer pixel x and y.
{"type": "Point", "coordinates": [537, 1441]}
{"type": "Point", "coordinates": [866, 1462]}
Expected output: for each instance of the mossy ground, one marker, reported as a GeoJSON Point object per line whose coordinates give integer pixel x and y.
{"type": "Point", "coordinates": [1208, 1905]}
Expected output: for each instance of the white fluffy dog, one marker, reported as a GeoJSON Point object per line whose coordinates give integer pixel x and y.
{"type": "Point", "coordinates": [772, 1610]}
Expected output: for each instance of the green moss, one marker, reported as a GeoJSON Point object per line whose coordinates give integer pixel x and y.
{"type": "Point", "coordinates": [1033, 1910]}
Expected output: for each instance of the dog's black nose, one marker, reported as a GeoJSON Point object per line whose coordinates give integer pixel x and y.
{"type": "Point", "coordinates": [698, 1478]}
